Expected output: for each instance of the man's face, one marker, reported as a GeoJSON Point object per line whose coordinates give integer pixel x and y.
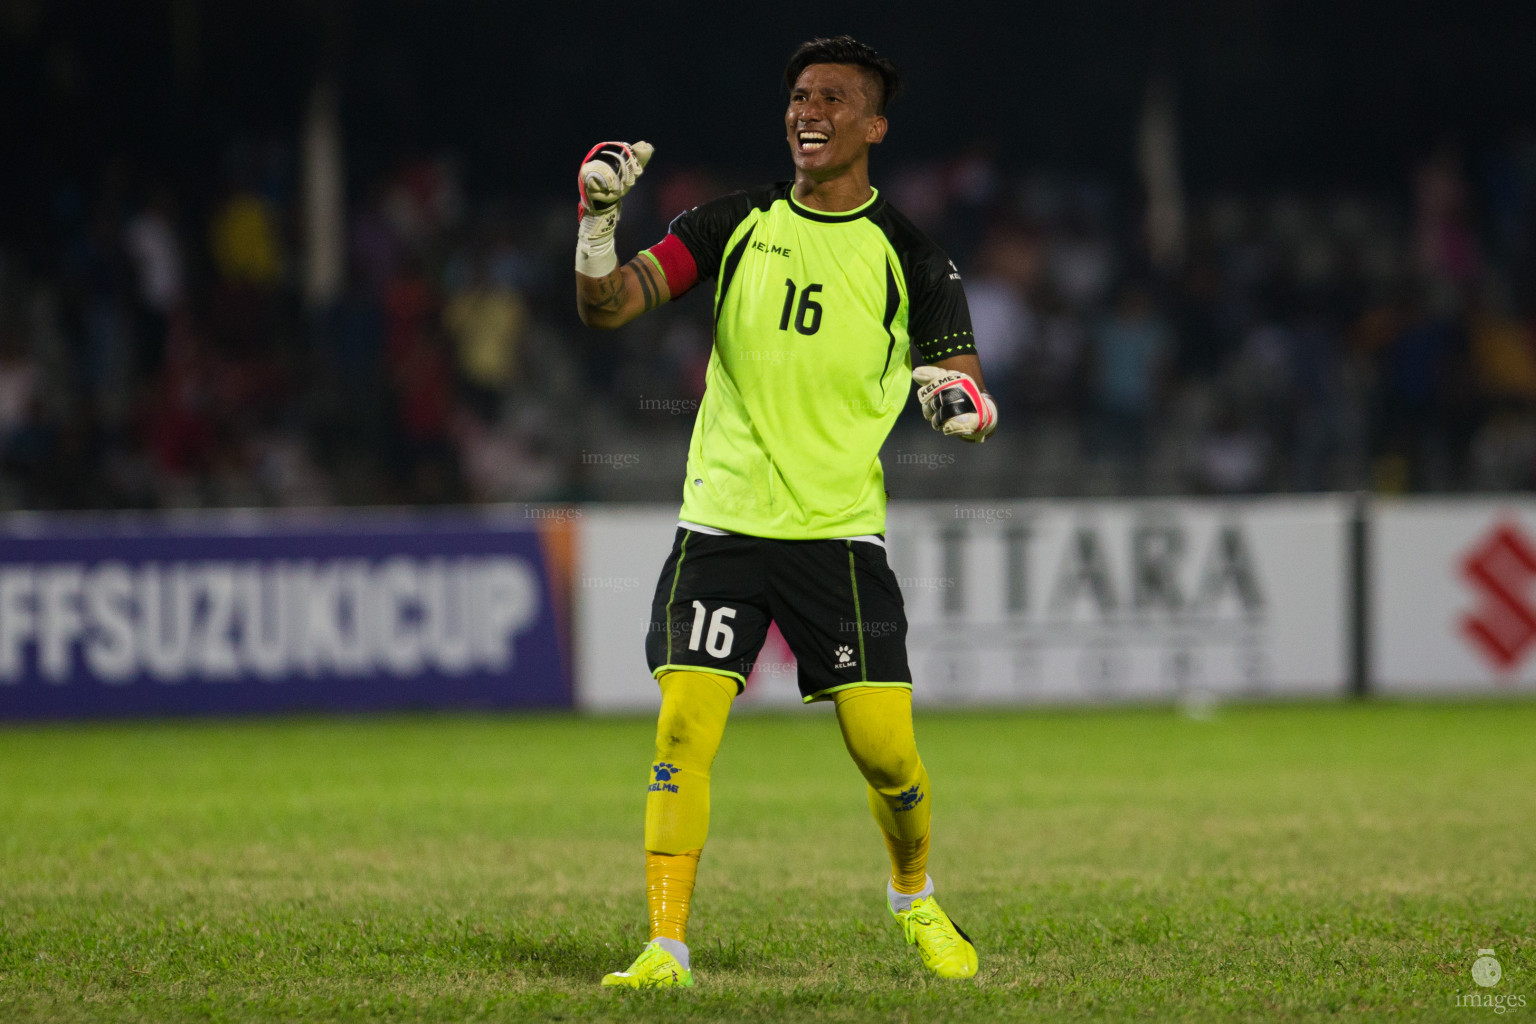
{"type": "Point", "coordinates": [831, 120]}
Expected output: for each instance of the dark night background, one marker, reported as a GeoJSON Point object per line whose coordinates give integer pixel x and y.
{"type": "Point", "coordinates": [105, 105]}
{"type": "Point", "coordinates": [1305, 93]}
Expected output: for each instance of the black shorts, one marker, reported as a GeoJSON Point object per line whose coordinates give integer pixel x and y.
{"type": "Point", "coordinates": [836, 602]}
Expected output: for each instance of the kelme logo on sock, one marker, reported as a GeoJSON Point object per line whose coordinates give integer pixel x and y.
{"type": "Point", "coordinates": [663, 771]}
{"type": "Point", "coordinates": [909, 798]}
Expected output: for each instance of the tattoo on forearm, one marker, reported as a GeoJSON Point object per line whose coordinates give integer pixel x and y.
{"type": "Point", "coordinates": [610, 295]}
{"type": "Point", "coordinates": [612, 292]}
{"type": "Point", "coordinates": [647, 290]}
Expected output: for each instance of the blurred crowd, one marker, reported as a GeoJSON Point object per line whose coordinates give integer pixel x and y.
{"type": "Point", "coordinates": [1288, 343]}
{"type": "Point", "coordinates": [163, 346]}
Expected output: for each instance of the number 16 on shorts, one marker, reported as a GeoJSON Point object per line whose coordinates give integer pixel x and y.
{"type": "Point", "coordinates": [716, 637]}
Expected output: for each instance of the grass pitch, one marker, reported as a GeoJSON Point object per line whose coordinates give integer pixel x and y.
{"type": "Point", "coordinates": [1274, 863]}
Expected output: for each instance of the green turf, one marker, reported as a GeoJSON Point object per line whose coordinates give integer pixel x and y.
{"type": "Point", "coordinates": [1274, 863]}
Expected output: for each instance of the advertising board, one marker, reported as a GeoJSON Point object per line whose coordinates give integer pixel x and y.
{"type": "Point", "coordinates": [1453, 596]}
{"type": "Point", "coordinates": [1083, 601]}
{"type": "Point", "coordinates": [1040, 602]}
{"type": "Point", "coordinates": [233, 613]}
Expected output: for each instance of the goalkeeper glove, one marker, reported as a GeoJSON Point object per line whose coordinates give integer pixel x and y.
{"type": "Point", "coordinates": [953, 403]}
{"type": "Point", "coordinates": [607, 173]}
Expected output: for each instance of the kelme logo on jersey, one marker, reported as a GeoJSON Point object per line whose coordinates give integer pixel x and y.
{"type": "Point", "coordinates": [909, 798]}
{"type": "Point", "coordinates": [663, 770]}
{"type": "Point", "coordinates": [844, 656]}
{"type": "Point", "coordinates": [773, 250]}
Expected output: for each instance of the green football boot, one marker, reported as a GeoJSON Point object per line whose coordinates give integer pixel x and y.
{"type": "Point", "coordinates": [654, 968]}
{"type": "Point", "coordinates": [946, 950]}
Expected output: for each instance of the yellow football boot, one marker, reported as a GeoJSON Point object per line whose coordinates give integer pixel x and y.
{"type": "Point", "coordinates": [656, 968]}
{"type": "Point", "coordinates": [946, 950]}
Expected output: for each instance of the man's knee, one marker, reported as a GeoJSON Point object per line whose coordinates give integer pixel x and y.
{"type": "Point", "coordinates": [877, 728]}
{"type": "Point", "coordinates": [682, 727]}
{"type": "Point", "coordinates": [694, 707]}
{"type": "Point", "coordinates": [889, 769]}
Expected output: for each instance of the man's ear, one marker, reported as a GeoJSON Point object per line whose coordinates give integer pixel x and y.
{"type": "Point", "coordinates": [876, 131]}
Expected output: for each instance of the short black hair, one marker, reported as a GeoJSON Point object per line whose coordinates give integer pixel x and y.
{"type": "Point", "coordinates": [846, 50]}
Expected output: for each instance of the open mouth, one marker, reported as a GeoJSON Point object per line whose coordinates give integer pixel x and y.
{"type": "Point", "coordinates": [810, 142]}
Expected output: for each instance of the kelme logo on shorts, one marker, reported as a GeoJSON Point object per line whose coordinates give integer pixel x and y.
{"type": "Point", "coordinates": [663, 771]}
{"type": "Point", "coordinates": [909, 798]}
{"type": "Point", "coordinates": [845, 657]}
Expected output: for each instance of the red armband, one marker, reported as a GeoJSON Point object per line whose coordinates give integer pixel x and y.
{"type": "Point", "coordinates": [676, 264]}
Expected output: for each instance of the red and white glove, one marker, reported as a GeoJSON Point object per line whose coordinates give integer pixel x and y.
{"type": "Point", "coordinates": [607, 173]}
{"type": "Point", "coordinates": [953, 403]}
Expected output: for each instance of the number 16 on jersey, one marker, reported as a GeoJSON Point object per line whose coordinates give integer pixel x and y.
{"type": "Point", "coordinates": [808, 316]}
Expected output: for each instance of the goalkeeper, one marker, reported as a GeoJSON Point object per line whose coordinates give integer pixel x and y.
{"type": "Point", "coordinates": [821, 291]}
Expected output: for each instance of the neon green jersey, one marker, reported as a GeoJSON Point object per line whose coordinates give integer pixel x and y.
{"type": "Point", "coordinates": [815, 317]}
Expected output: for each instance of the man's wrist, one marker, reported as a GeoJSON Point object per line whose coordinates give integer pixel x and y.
{"type": "Point", "coordinates": [595, 255]}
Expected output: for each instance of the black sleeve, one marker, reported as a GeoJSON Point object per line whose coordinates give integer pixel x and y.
{"type": "Point", "coordinates": [939, 323]}
{"type": "Point", "coordinates": [705, 229]}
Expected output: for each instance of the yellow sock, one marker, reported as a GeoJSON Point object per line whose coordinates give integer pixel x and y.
{"type": "Point", "coordinates": [909, 863]}
{"type": "Point", "coordinates": [694, 708]}
{"type": "Point", "coordinates": [668, 890]}
{"type": "Point", "coordinates": [877, 727]}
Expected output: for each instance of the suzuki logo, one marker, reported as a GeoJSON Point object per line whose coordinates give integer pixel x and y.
{"type": "Point", "coordinates": [1501, 569]}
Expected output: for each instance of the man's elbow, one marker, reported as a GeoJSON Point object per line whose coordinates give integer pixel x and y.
{"type": "Point", "coordinates": [600, 319]}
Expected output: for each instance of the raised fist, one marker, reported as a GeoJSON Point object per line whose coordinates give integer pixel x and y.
{"type": "Point", "coordinates": [609, 171]}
